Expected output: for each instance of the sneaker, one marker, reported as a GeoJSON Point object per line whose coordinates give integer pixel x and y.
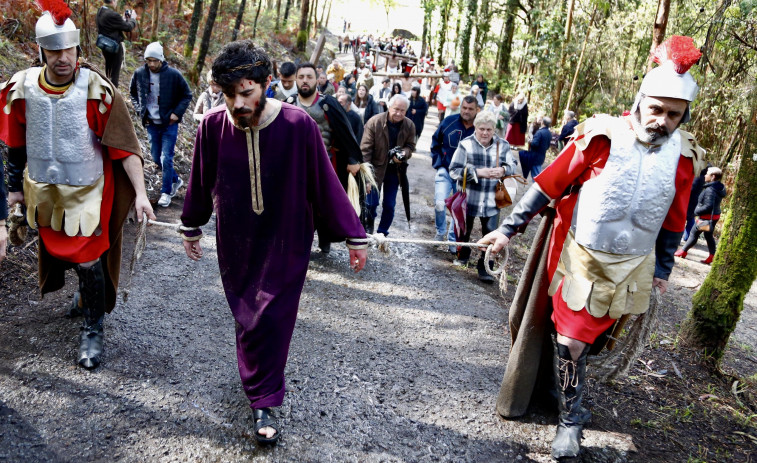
{"type": "Point", "coordinates": [460, 262]}
{"type": "Point", "coordinates": [175, 187]}
{"type": "Point", "coordinates": [165, 200]}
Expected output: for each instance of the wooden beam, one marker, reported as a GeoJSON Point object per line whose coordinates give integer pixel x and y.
{"type": "Point", "coordinates": [318, 49]}
{"type": "Point", "coordinates": [398, 75]}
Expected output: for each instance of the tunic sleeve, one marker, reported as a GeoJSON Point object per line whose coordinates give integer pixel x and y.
{"type": "Point", "coordinates": [338, 220]}
{"type": "Point", "coordinates": [570, 165]}
{"type": "Point", "coordinates": [198, 204]}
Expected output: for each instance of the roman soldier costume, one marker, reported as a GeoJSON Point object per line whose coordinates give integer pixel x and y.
{"type": "Point", "coordinates": [63, 141]}
{"type": "Point", "coordinates": [618, 211]}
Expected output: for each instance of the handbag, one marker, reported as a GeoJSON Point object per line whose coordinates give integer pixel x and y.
{"type": "Point", "coordinates": [107, 44]}
{"type": "Point", "coordinates": [704, 225]}
{"type": "Point", "coordinates": [505, 189]}
{"type": "Point", "coordinates": [457, 205]}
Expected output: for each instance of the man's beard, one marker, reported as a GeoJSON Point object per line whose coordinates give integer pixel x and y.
{"type": "Point", "coordinates": [651, 133]}
{"type": "Point", "coordinates": [306, 93]}
{"type": "Point", "coordinates": [247, 117]}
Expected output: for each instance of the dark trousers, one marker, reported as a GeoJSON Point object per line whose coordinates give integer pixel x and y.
{"type": "Point", "coordinates": [487, 225]}
{"type": "Point", "coordinates": [113, 64]}
{"type": "Point", "coordinates": [694, 236]}
{"type": "Point", "coordinates": [389, 201]}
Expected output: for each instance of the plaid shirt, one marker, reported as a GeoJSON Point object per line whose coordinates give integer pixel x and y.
{"type": "Point", "coordinates": [480, 191]}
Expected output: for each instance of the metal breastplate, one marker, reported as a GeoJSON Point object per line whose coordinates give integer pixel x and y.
{"type": "Point", "coordinates": [621, 210]}
{"type": "Point", "coordinates": [316, 112]}
{"type": "Point", "coordinates": [60, 146]}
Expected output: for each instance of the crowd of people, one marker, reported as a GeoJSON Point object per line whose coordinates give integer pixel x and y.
{"type": "Point", "coordinates": [276, 153]}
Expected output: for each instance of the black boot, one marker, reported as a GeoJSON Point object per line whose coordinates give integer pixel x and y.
{"type": "Point", "coordinates": [482, 275]}
{"type": "Point", "coordinates": [75, 309]}
{"type": "Point", "coordinates": [369, 225]}
{"type": "Point", "coordinates": [92, 291]}
{"type": "Point", "coordinates": [570, 378]}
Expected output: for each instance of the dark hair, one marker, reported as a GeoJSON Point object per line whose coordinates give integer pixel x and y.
{"type": "Point", "coordinates": [287, 69]}
{"type": "Point", "coordinates": [470, 99]}
{"type": "Point", "coordinates": [397, 87]}
{"type": "Point", "coordinates": [307, 65]}
{"type": "Point", "coordinates": [241, 60]}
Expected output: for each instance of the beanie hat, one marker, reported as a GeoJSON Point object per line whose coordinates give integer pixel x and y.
{"type": "Point", "coordinates": [154, 50]}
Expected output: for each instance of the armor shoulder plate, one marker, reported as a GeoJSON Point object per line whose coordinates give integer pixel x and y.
{"type": "Point", "coordinates": [16, 92]}
{"type": "Point", "coordinates": [600, 124]}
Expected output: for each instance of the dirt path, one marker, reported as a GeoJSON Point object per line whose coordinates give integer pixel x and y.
{"type": "Point", "coordinates": [401, 362]}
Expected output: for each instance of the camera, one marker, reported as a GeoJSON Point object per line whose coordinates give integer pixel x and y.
{"type": "Point", "coordinates": [397, 152]}
{"type": "Point", "coordinates": [127, 14]}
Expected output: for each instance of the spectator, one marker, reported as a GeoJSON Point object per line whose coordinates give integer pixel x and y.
{"type": "Point", "coordinates": [349, 84]}
{"type": "Point", "coordinates": [518, 124]}
{"type": "Point", "coordinates": [708, 209]}
{"type": "Point", "coordinates": [382, 133]}
{"type": "Point", "coordinates": [442, 92]}
{"type": "Point", "coordinates": [356, 122]}
{"type": "Point", "coordinates": [696, 189]}
{"type": "Point", "coordinates": [161, 96]}
{"type": "Point", "coordinates": [454, 76]}
{"type": "Point", "coordinates": [482, 85]}
{"type": "Point", "coordinates": [476, 92]}
{"type": "Point", "coordinates": [113, 26]}
{"type": "Point", "coordinates": [497, 107]}
{"type": "Point", "coordinates": [366, 105]}
{"type": "Point", "coordinates": [325, 87]}
{"type": "Point", "coordinates": [454, 99]}
{"type": "Point", "coordinates": [487, 159]}
{"type": "Point", "coordinates": [286, 85]}
{"type": "Point", "coordinates": [396, 90]}
{"type": "Point", "coordinates": [531, 161]}
{"type": "Point", "coordinates": [444, 142]}
{"type": "Point", "coordinates": [417, 110]}
{"type": "Point", "coordinates": [209, 99]}
{"type": "Point", "coordinates": [381, 93]}
{"type": "Point", "coordinates": [337, 70]}
{"type": "Point", "coordinates": [567, 129]}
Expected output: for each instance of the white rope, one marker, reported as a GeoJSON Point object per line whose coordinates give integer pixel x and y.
{"type": "Point", "coordinates": [381, 241]}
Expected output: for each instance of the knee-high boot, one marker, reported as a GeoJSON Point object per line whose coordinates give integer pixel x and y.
{"type": "Point", "coordinates": [92, 291]}
{"type": "Point", "coordinates": [570, 378]}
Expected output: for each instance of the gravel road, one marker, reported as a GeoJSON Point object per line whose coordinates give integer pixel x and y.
{"type": "Point", "coordinates": [401, 362]}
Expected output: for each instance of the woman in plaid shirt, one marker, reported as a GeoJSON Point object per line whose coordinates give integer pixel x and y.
{"type": "Point", "coordinates": [488, 159]}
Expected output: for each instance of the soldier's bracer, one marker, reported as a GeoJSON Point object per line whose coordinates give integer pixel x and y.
{"type": "Point", "coordinates": [16, 166]}
{"type": "Point", "coordinates": [532, 203]}
{"type": "Point", "coordinates": [665, 246]}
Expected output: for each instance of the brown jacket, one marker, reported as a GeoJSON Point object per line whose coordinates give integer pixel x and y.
{"type": "Point", "coordinates": [119, 133]}
{"type": "Point", "coordinates": [375, 143]}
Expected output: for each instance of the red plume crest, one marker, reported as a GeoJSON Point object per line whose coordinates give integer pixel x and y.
{"type": "Point", "coordinates": [680, 50]}
{"type": "Point", "coordinates": [57, 8]}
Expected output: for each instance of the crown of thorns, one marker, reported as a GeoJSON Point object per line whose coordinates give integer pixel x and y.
{"type": "Point", "coordinates": [247, 66]}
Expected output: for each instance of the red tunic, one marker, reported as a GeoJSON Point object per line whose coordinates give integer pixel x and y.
{"type": "Point", "coordinates": [75, 249]}
{"type": "Point", "coordinates": [573, 167]}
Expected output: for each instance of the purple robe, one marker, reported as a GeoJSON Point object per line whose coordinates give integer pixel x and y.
{"type": "Point", "coordinates": [263, 256]}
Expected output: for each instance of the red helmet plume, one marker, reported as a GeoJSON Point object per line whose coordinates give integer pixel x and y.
{"type": "Point", "coordinates": [58, 9]}
{"type": "Point", "coordinates": [678, 49]}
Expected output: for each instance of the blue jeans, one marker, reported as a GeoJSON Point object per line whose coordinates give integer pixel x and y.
{"type": "Point", "coordinates": [162, 143]}
{"type": "Point", "coordinates": [444, 186]}
{"type": "Point", "coordinates": [389, 189]}
{"type": "Point", "coordinates": [687, 230]}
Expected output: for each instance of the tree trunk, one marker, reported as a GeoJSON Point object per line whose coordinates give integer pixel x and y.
{"type": "Point", "coordinates": [658, 30]}
{"type": "Point", "coordinates": [312, 26]}
{"type": "Point", "coordinates": [207, 32]}
{"type": "Point", "coordinates": [472, 6]}
{"type": "Point", "coordinates": [328, 15]}
{"type": "Point", "coordinates": [717, 306]}
{"type": "Point", "coordinates": [278, 16]}
{"type": "Point", "coordinates": [580, 60]}
{"type": "Point", "coordinates": [506, 46]}
{"type": "Point", "coordinates": [560, 69]}
{"type": "Point", "coordinates": [302, 34]}
{"type": "Point", "coordinates": [460, 9]}
{"type": "Point", "coordinates": [238, 22]}
{"type": "Point", "coordinates": [193, 25]}
{"type": "Point", "coordinates": [155, 20]}
{"type": "Point", "coordinates": [323, 13]}
{"type": "Point", "coordinates": [446, 6]}
{"type": "Point", "coordinates": [482, 32]}
{"type": "Point", "coordinates": [286, 13]}
{"type": "Point", "coordinates": [427, 10]}
{"type": "Point", "coordinates": [178, 7]}
{"type": "Point", "coordinates": [257, 15]}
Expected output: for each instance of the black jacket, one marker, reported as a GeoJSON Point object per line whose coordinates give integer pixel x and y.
{"type": "Point", "coordinates": [710, 198]}
{"type": "Point", "coordinates": [519, 116]}
{"type": "Point", "coordinates": [112, 24]}
{"type": "Point", "coordinates": [567, 130]}
{"type": "Point", "coordinates": [356, 124]}
{"type": "Point", "coordinates": [421, 109]}
{"type": "Point", "coordinates": [696, 190]}
{"type": "Point", "coordinates": [174, 97]}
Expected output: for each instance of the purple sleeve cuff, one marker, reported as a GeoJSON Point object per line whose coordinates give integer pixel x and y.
{"type": "Point", "coordinates": [190, 233]}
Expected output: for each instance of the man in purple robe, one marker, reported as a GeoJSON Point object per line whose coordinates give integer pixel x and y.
{"type": "Point", "coordinates": [262, 166]}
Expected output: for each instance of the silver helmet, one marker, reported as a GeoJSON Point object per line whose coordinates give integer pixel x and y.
{"type": "Point", "coordinates": [671, 79]}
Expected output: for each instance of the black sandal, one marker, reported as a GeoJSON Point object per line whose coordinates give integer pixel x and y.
{"type": "Point", "coordinates": [263, 419]}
